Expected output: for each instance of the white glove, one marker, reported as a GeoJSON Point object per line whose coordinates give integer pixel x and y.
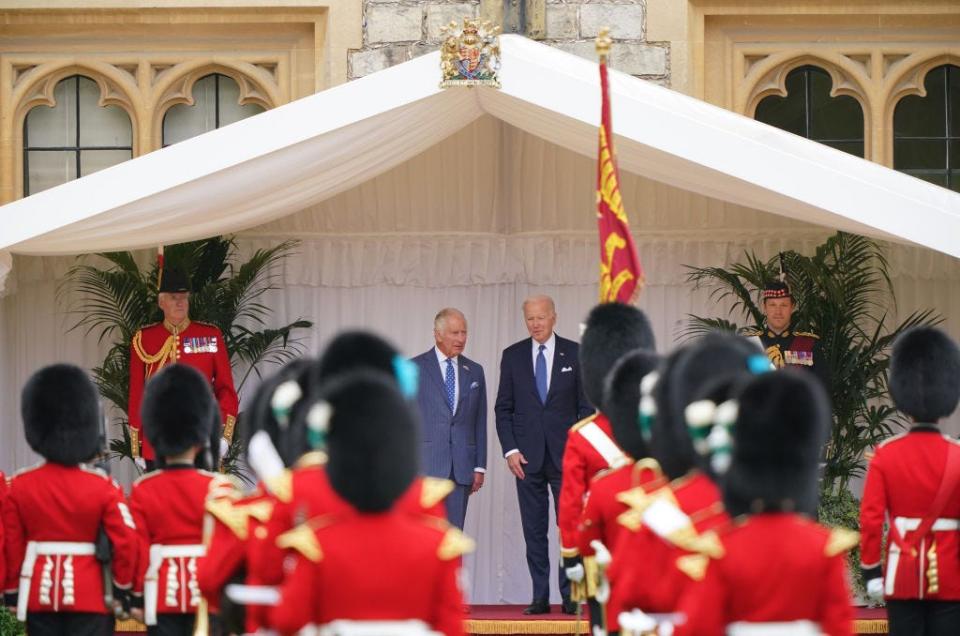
{"type": "Point", "coordinates": [224, 447]}
{"type": "Point", "coordinates": [140, 462]}
{"type": "Point", "coordinates": [875, 589]}
{"type": "Point", "coordinates": [575, 573]}
{"type": "Point", "coordinates": [603, 555]}
{"type": "Point", "coordinates": [636, 622]}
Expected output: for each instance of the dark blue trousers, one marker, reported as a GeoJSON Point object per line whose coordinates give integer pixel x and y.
{"type": "Point", "coordinates": [533, 492]}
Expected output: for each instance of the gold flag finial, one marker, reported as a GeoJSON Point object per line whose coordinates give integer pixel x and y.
{"type": "Point", "coordinates": [604, 42]}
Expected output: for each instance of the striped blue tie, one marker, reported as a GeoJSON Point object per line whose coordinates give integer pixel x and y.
{"type": "Point", "coordinates": [451, 385]}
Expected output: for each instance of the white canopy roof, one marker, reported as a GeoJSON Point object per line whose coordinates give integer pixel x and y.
{"type": "Point", "coordinates": [291, 157]}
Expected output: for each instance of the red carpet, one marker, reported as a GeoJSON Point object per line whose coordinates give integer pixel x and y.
{"type": "Point", "coordinates": [509, 619]}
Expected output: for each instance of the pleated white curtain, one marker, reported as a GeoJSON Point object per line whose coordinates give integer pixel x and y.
{"type": "Point", "coordinates": [478, 222]}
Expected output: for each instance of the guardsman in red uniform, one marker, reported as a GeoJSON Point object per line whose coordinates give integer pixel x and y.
{"type": "Point", "coordinates": [179, 414]}
{"type": "Point", "coordinates": [310, 491]}
{"type": "Point", "coordinates": [913, 482]}
{"type": "Point", "coordinates": [54, 512]}
{"type": "Point", "coordinates": [786, 347]}
{"type": "Point", "coordinates": [677, 523]}
{"type": "Point", "coordinates": [374, 562]}
{"type": "Point", "coordinates": [612, 329]}
{"type": "Point", "coordinates": [778, 567]}
{"type": "Point", "coordinates": [239, 537]}
{"type": "Point", "coordinates": [178, 339]}
{"type": "Point", "coordinates": [599, 520]}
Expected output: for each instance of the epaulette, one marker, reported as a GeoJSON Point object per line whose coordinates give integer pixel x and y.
{"type": "Point", "coordinates": [694, 565]}
{"type": "Point", "coordinates": [808, 334]}
{"type": "Point", "coordinates": [281, 486]}
{"type": "Point", "coordinates": [93, 470]}
{"type": "Point", "coordinates": [231, 516]}
{"type": "Point", "coordinates": [205, 324]}
{"type": "Point", "coordinates": [145, 477]}
{"type": "Point", "coordinates": [311, 460]}
{"type": "Point", "coordinates": [841, 540]}
{"type": "Point", "coordinates": [576, 427]}
{"type": "Point", "coordinates": [455, 544]}
{"type": "Point", "coordinates": [752, 332]}
{"type": "Point", "coordinates": [24, 471]}
{"type": "Point", "coordinates": [303, 539]}
{"type": "Point", "coordinates": [433, 490]}
{"type": "Point", "coordinates": [891, 439]}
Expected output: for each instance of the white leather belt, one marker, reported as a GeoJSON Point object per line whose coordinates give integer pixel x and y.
{"type": "Point", "coordinates": [905, 525]}
{"type": "Point", "coordinates": [789, 628]}
{"type": "Point", "coordinates": [151, 584]}
{"type": "Point", "coordinates": [909, 524]}
{"type": "Point", "coordinates": [45, 548]}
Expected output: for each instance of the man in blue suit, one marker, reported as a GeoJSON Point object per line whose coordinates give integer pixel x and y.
{"type": "Point", "coordinates": [453, 407]}
{"type": "Point", "coordinates": [540, 397]}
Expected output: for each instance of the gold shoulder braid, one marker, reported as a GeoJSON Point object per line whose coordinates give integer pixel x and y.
{"type": "Point", "coordinates": [155, 362]}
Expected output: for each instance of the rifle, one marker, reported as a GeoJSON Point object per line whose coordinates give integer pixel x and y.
{"type": "Point", "coordinates": [104, 550]}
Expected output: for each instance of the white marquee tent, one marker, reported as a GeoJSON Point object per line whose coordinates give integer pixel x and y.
{"type": "Point", "coordinates": [408, 198]}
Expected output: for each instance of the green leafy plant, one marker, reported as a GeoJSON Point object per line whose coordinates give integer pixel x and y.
{"type": "Point", "coordinates": [9, 625]}
{"type": "Point", "coordinates": [115, 301]}
{"type": "Point", "coordinates": [842, 510]}
{"type": "Point", "coordinates": [842, 293]}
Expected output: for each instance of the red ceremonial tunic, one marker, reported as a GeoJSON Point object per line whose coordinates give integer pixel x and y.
{"type": "Point", "coordinates": [200, 346]}
{"type": "Point", "coordinates": [312, 495]}
{"type": "Point", "coordinates": [168, 508]}
{"type": "Point", "coordinates": [644, 573]}
{"type": "Point", "coordinates": [902, 481]}
{"type": "Point", "coordinates": [236, 541]}
{"type": "Point", "coordinates": [775, 568]}
{"type": "Point", "coordinates": [56, 512]}
{"type": "Point", "coordinates": [590, 449]}
{"type": "Point", "coordinates": [390, 566]}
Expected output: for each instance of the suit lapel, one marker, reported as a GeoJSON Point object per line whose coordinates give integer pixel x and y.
{"type": "Point", "coordinates": [432, 369]}
{"type": "Point", "coordinates": [559, 358]}
{"type": "Point", "coordinates": [464, 373]}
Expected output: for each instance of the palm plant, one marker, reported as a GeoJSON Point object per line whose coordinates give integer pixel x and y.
{"type": "Point", "coordinates": [115, 301]}
{"type": "Point", "coordinates": [843, 292]}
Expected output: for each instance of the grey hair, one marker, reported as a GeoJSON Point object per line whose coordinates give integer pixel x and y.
{"type": "Point", "coordinates": [538, 298]}
{"type": "Point", "coordinates": [440, 320]}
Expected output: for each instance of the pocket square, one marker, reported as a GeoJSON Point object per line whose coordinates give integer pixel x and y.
{"type": "Point", "coordinates": [566, 369]}
{"type": "Point", "coordinates": [475, 385]}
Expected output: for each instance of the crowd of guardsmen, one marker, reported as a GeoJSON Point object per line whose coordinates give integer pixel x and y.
{"type": "Point", "coordinates": [702, 523]}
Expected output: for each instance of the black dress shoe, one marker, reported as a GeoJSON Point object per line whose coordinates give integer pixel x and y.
{"type": "Point", "coordinates": [537, 607]}
{"type": "Point", "coordinates": [569, 607]}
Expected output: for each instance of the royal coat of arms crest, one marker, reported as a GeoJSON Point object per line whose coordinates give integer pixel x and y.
{"type": "Point", "coordinates": [470, 55]}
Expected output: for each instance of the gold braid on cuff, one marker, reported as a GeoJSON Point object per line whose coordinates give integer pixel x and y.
{"type": "Point", "coordinates": [228, 426]}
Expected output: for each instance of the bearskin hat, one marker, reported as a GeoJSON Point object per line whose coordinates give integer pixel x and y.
{"type": "Point", "coordinates": [621, 399]}
{"type": "Point", "coordinates": [61, 414]}
{"type": "Point", "coordinates": [173, 281]}
{"type": "Point", "coordinates": [372, 436]}
{"type": "Point", "coordinates": [783, 421]}
{"type": "Point", "coordinates": [178, 410]}
{"type": "Point", "coordinates": [274, 407]}
{"type": "Point", "coordinates": [706, 369]}
{"type": "Point", "coordinates": [925, 374]}
{"type": "Point", "coordinates": [357, 349]}
{"type": "Point", "coordinates": [612, 329]}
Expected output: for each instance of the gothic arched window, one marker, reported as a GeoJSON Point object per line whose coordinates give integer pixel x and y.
{"type": "Point", "coordinates": [808, 110]}
{"type": "Point", "coordinates": [74, 138]}
{"type": "Point", "coordinates": [216, 103]}
{"type": "Point", "coordinates": [926, 130]}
